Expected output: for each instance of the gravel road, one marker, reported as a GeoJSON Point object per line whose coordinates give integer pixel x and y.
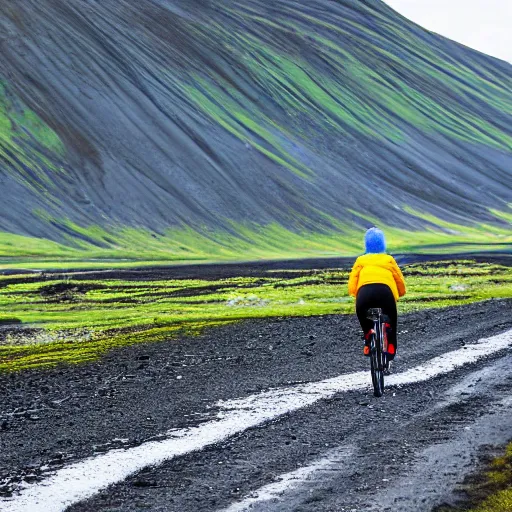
{"type": "Point", "coordinates": [404, 452]}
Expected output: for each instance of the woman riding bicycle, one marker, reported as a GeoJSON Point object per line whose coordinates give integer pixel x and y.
{"type": "Point", "coordinates": [376, 282]}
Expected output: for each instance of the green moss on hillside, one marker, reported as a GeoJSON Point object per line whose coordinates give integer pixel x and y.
{"type": "Point", "coordinates": [378, 82]}
{"type": "Point", "coordinates": [31, 151]}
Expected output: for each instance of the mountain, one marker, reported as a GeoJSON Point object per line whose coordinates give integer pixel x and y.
{"type": "Point", "coordinates": [214, 120]}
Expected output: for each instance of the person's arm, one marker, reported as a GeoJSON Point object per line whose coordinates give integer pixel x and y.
{"type": "Point", "coordinates": [354, 278]}
{"type": "Point", "coordinates": [399, 278]}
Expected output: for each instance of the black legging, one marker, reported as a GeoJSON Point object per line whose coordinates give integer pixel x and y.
{"type": "Point", "coordinates": [376, 296]}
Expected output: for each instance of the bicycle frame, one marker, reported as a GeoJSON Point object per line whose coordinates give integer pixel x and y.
{"type": "Point", "coordinates": [379, 327]}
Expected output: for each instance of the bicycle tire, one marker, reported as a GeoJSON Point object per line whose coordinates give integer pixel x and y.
{"type": "Point", "coordinates": [377, 363]}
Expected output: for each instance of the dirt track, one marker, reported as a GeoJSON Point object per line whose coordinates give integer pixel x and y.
{"type": "Point", "coordinates": [138, 393]}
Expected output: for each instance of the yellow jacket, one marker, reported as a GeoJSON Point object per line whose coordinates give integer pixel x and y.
{"type": "Point", "coordinates": [376, 268]}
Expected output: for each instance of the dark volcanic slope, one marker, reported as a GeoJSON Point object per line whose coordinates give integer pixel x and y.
{"type": "Point", "coordinates": [166, 112]}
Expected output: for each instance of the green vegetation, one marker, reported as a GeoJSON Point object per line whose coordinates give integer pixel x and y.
{"type": "Point", "coordinates": [30, 149]}
{"type": "Point", "coordinates": [18, 122]}
{"type": "Point", "coordinates": [70, 321]}
{"type": "Point", "coordinates": [490, 491]}
{"type": "Point", "coordinates": [95, 246]}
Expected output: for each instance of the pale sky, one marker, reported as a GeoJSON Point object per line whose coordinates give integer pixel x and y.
{"type": "Point", "coordinates": [485, 25]}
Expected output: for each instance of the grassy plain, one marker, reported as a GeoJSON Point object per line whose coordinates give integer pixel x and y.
{"type": "Point", "coordinates": [99, 247]}
{"type": "Point", "coordinates": [48, 320]}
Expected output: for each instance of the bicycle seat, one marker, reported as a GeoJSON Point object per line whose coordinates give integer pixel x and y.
{"type": "Point", "coordinates": [374, 314]}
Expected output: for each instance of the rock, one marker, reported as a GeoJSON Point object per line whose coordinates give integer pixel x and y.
{"type": "Point", "coordinates": [5, 490]}
{"type": "Point", "coordinates": [458, 287]}
{"type": "Point", "coordinates": [144, 483]}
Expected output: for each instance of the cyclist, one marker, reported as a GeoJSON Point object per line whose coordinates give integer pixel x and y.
{"type": "Point", "coordinates": [377, 282]}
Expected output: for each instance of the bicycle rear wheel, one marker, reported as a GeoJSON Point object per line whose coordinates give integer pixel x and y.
{"type": "Point", "coordinates": [377, 364]}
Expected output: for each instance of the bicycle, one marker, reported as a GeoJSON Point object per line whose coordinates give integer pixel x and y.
{"type": "Point", "coordinates": [379, 363]}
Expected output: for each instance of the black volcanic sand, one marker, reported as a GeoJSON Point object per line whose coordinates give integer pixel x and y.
{"type": "Point", "coordinates": [49, 418]}
{"type": "Point", "coordinates": [223, 270]}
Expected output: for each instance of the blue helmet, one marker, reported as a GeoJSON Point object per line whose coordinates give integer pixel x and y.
{"type": "Point", "coordinates": [374, 241]}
